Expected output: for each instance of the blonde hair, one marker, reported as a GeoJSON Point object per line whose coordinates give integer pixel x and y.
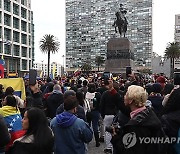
{"type": "Point", "coordinates": [137, 94]}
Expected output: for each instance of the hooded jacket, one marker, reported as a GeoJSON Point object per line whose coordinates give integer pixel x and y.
{"type": "Point", "coordinates": [70, 134]}
{"type": "Point", "coordinates": [144, 124]}
{"type": "Point", "coordinates": [171, 125]}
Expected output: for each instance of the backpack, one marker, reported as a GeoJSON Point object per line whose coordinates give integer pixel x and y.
{"type": "Point", "coordinates": [89, 101]}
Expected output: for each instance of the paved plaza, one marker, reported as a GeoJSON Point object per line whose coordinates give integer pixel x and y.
{"type": "Point", "coordinates": [92, 149]}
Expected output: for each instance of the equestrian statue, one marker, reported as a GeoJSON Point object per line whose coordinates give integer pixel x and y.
{"type": "Point", "coordinates": [121, 21]}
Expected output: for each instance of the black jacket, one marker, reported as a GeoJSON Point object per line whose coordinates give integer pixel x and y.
{"type": "Point", "coordinates": [156, 101]}
{"type": "Point", "coordinates": [171, 125]}
{"type": "Point", "coordinates": [111, 103]}
{"type": "Point", "coordinates": [53, 102]}
{"type": "Point", "coordinates": [27, 148]}
{"type": "Point", "coordinates": [144, 124]}
{"type": "Point", "coordinates": [4, 134]}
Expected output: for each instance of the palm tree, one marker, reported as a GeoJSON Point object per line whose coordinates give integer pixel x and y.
{"type": "Point", "coordinates": [86, 67]}
{"type": "Point", "coordinates": [49, 44]}
{"type": "Point", "coordinates": [99, 61]}
{"type": "Point", "coordinates": [172, 51]}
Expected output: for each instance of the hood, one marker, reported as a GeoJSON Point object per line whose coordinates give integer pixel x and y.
{"type": "Point", "coordinates": [66, 119]}
{"type": "Point", "coordinates": [146, 118]}
{"type": "Point", "coordinates": [57, 91]}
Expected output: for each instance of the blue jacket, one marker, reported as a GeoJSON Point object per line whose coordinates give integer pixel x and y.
{"type": "Point", "coordinates": [70, 134]}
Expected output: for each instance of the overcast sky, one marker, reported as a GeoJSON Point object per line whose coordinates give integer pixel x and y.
{"type": "Point", "coordinates": [49, 18]}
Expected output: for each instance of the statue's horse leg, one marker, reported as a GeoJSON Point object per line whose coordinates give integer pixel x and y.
{"type": "Point", "coordinates": [115, 26]}
{"type": "Point", "coordinates": [120, 31]}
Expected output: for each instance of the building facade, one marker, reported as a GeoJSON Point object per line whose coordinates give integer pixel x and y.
{"type": "Point", "coordinates": [177, 38]}
{"type": "Point", "coordinates": [55, 68]}
{"type": "Point", "coordinates": [177, 28]}
{"type": "Point", "coordinates": [16, 35]}
{"type": "Point", "coordinates": [89, 27]}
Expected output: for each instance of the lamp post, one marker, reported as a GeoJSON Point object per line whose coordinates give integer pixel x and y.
{"type": "Point", "coordinates": [63, 56]}
{"type": "Point", "coordinates": [42, 69]}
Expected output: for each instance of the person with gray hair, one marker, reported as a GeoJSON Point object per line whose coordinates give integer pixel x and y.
{"type": "Point", "coordinates": [53, 101]}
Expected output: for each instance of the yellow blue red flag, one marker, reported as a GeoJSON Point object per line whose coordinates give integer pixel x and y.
{"type": "Point", "coordinates": [17, 84]}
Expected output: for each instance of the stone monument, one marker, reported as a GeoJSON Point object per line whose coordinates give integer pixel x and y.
{"type": "Point", "coordinates": [120, 54]}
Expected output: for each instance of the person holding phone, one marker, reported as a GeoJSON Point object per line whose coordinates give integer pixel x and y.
{"type": "Point", "coordinates": [36, 96]}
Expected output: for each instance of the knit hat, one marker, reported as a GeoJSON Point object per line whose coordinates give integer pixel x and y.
{"type": "Point", "coordinates": [161, 80]}
{"type": "Point", "coordinates": [156, 88]}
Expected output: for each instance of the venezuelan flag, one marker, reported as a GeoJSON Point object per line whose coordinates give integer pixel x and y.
{"type": "Point", "coordinates": [17, 84]}
{"type": "Point", "coordinates": [13, 120]}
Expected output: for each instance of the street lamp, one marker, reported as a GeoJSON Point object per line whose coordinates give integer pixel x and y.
{"type": "Point", "coordinates": [63, 56]}
{"type": "Point", "coordinates": [42, 68]}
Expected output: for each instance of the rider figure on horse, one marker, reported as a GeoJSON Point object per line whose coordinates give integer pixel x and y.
{"type": "Point", "coordinates": [121, 21]}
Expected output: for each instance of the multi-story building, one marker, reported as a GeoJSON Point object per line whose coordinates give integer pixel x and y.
{"type": "Point", "coordinates": [16, 35]}
{"type": "Point", "coordinates": [177, 38]}
{"type": "Point", "coordinates": [89, 27]}
{"type": "Point", "coordinates": [177, 28]}
{"type": "Point", "coordinates": [55, 68]}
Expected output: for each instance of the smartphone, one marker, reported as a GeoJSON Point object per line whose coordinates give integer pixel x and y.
{"type": "Point", "coordinates": [107, 75]}
{"type": "Point", "coordinates": [32, 76]}
{"type": "Point", "coordinates": [176, 78]}
{"type": "Point", "coordinates": [128, 71]}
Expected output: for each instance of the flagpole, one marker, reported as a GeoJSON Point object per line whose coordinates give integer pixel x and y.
{"type": "Point", "coordinates": [11, 57]}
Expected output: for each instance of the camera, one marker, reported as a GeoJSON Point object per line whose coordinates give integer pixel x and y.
{"type": "Point", "coordinates": [116, 126]}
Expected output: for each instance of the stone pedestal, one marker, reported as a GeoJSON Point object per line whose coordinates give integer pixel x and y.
{"type": "Point", "coordinates": [120, 53]}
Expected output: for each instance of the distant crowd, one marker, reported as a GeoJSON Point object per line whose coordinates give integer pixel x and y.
{"type": "Point", "coordinates": [62, 116]}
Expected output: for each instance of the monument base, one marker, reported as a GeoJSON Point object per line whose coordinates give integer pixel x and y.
{"type": "Point", "coordinates": [119, 55]}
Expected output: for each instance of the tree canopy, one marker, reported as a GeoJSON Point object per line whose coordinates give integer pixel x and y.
{"type": "Point", "coordinates": [49, 44]}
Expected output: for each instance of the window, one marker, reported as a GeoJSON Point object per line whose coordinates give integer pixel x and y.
{"type": "Point", "coordinates": [16, 50]}
{"type": "Point", "coordinates": [15, 23]}
{"type": "Point", "coordinates": [0, 32]}
{"type": "Point", "coordinates": [29, 52]}
{"type": "Point", "coordinates": [7, 49]}
{"type": "Point", "coordinates": [15, 9]}
{"type": "Point", "coordinates": [29, 40]}
{"type": "Point", "coordinates": [24, 64]}
{"type": "Point", "coordinates": [29, 15]}
{"type": "Point", "coordinates": [7, 5]}
{"type": "Point", "coordinates": [24, 2]}
{"type": "Point", "coordinates": [0, 16]}
{"type": "Point", "coordinates": [29, 28]}
{"type": "Point", "coordinates": [7, 19]}
{"type": "Point", "coordinates": [16, 36]}
{"type": "Point", "coordinates": [7, 34]}
{"type": "Point", "coordinates": [23, 26]}
{"type": "Point", "coordinates": [23, 13]}
{"type": "Point", "coordinates": [23, 39]}
{"type": "Point", "coordinates": [24, 52]}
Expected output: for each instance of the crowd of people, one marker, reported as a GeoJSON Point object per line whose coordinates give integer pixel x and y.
{"type": "Point", "coordinates": [63, 116]}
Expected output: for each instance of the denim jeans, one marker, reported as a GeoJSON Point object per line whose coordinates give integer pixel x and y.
{"type": "Point", "coordinates": [95, 115]}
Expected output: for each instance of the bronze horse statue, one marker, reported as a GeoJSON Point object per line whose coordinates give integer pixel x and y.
{"type": "Point", "coordinates": [120, 23]}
